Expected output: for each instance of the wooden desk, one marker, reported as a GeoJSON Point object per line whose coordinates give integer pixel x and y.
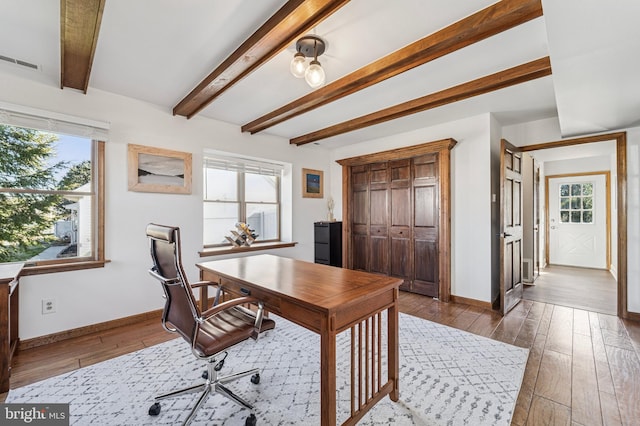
{"type": "Point", "coordinates": [328, 301]}
{"type": "Point", "coordinates": [9, 273]}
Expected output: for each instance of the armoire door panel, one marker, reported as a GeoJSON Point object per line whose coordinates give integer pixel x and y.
{"type": "Point", "coordinates": [360, 207]}
{"type": "Point", "coordinates": [426, 267]}
{"type": "Point", "coordinates": [379, 261]}
{"type": "Point", "coordinates": [401, 206]}
{"type": "Point", "coordinates": [400, 232]}
{"type": "Point", "coordinates": [360, 252]}
{"type": "Point", "coordinates": [425, 288]}
{"type": "Point", "coordinates": [400, 172]}
{"type": "Point", "coordinates": [379, 173]}
{"type": "Point", "coordinates": [360, 229]}
{"type": "Point", "coordinates": [379, 231]}
{"type": "Point", "coordinates": [401, 258]}
{"type": "Point", "coordinates": [359, 177]}
{"type": "Point", "coordinates": [378, 213]}
{"type": "Point", "coordinates": [425, 234]}
{"type": "Point", "coordinates": [425, 206]}
{"type": "Point", "coordinates": [425, 167]}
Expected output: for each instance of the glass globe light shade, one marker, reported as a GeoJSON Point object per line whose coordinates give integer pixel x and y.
{"type": "Point", "coordinates": [314, 75]}
{"type": "Point", "coordinates": [298, 65]}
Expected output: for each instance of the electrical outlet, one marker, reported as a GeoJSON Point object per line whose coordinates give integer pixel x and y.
{"type": "Point", "coordinates": [48, 306]}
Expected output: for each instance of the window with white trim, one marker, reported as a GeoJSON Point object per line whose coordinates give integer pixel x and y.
{"type": "Point", "coordinates": [576, 203]}
{"type": "Point", "coordinates": [240, 190]}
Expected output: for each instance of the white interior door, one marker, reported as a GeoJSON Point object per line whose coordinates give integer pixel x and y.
{"type": "Point", "coordinates": [578, 221]}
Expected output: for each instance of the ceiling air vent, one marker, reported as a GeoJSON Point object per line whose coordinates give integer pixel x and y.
{"type": "Point", "coordinates": [19, 62]}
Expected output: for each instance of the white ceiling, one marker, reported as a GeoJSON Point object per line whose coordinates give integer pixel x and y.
{"type": "Point", "coordinates": [158, 50]}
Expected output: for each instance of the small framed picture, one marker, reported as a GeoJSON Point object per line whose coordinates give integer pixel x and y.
{"type": "Point", "coordinates": [312, 183]}
{"type": "Point", "coordinates": [158, 170]}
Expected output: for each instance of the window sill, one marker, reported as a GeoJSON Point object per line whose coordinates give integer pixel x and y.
{"type": "Point", "coordinates": [217, 251]}
{"type": "Point", "coordinates": [62, 267]}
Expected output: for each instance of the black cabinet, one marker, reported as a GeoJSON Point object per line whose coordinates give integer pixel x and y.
{"type": "Point", "coordinates": [328, 243]}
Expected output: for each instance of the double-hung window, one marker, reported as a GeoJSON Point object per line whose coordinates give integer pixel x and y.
{"type": "Point", "coordinates": [51, 200]}
{"type": "Point", "coordinates": [241, 190]}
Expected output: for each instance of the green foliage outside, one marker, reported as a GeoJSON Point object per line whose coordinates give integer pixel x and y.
{"type": "Point", "coordinates": [25, 217]}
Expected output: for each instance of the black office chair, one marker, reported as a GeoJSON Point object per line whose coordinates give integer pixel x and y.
{"type": "Point", "coordinates": [209, 333]}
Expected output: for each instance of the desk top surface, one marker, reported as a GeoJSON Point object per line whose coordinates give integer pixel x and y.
{"type": "Point", "coordinates": [321, 285]}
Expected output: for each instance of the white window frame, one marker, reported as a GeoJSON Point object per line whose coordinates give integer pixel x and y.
{"type": "Point", "coordinates": [242, 165]}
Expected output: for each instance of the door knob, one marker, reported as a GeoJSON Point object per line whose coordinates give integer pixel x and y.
{"type": "Point", "coordinates": [504, 235]}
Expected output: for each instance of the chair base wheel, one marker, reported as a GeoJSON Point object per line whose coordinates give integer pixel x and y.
{"type": "Point", "coordinates": [251, 420]}
{"type": "Point", "coordinates": [255, 379]}
{"type": "Point", "coordinates": [154, 410]}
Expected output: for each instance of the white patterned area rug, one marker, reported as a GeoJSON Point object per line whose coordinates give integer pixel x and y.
{"type": "Point", "coordinates": [447, 377]}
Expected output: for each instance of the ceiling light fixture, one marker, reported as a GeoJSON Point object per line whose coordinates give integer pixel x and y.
{"type": "Point", "coordinates": [309, 46]}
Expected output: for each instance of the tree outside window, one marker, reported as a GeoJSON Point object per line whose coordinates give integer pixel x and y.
{"type": "Point", "coordinates": [46, 196]}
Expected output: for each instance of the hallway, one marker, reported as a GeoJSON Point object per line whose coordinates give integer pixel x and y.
{"type": "Point", "coordinates": [582, 288]}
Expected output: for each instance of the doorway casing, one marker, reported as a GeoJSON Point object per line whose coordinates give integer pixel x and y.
{"type": "Point", "coordinates": [621, 181]}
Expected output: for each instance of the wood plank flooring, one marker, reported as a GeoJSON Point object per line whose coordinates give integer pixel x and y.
{"type": "Point", "coordinates": [583, 288]}
{"type": "Point", "coordinates": [583, 366]}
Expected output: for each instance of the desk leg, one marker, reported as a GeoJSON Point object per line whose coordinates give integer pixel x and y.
{"type": "Point", "coordinates": [394, 352]}
{"type": "Point", "coordinates": [328, 373]}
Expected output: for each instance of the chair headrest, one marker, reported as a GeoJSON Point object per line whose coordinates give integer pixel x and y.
{"type": "Point", "coordinates": [162, 232]}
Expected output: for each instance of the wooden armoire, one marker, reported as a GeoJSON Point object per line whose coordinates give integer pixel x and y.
{"type": "Point", "coordinates": [396, 215]}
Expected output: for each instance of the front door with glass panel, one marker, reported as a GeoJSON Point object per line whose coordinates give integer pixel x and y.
{"type": "Point", "coordinates": [578, 221]}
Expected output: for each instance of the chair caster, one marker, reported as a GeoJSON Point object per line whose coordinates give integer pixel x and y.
{"type": "Point", "coordinates": [255, 379]}
{"type": "Point", "coordinates": [205, 374]}
{"type": "Point", "coordinates": [251, 420]}
{"type": "Point", "coordinates": [154, 410]}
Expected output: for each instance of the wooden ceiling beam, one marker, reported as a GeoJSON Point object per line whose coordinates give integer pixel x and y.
{"type": "Point", "coordinates": [492, 20]}
{"type": "Point", "coordinates": [79, 28]}
{"type": "Point", "coordinates": [293, 19]}
{"type": "Point", "coordinates": [512, 76]}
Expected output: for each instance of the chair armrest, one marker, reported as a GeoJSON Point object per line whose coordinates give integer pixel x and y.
{"type": "Point", "coordinates": [200, 284]}
{"type": "Point", "coordinates": [204, 283]}
{"type": "Point", "coordinates": [228, 304]}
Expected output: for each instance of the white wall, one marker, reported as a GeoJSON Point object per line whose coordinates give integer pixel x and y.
{"type": "Point", "coordinates": [578, 165]}
{"type": "Point", "coordinates": [123, 287]}
{"type": "Point", "coordinates": [470, 201]}
{"type": "Point", "coordinates": [633, 219]}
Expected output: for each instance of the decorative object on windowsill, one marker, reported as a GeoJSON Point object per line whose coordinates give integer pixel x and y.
{"type": "Point", "coordinates": [330, 205]}
{"type": "Point", "coordinates": [242, 235]}
{"type": "Point", "coordinates": [309, 46]}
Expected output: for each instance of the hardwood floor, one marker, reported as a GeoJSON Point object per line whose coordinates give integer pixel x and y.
{"type": "Point", "coordinates": [583, 367]}
{"type": "Point", "coordinates": [583, 288]}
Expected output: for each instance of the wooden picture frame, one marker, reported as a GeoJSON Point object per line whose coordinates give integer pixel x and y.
{"type": "Point", "coordinates": [158, 170]}
{"type": "Point", "coordinates": [312, 183]}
